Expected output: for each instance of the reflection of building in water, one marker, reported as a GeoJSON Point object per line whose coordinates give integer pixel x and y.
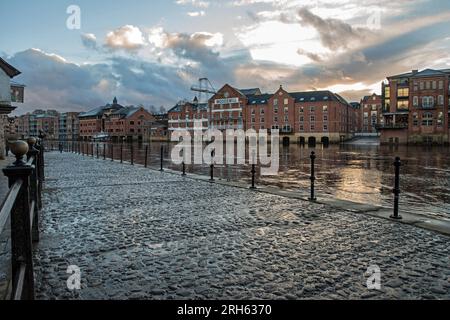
{"type": "Point", "coordinates": [416, 107]}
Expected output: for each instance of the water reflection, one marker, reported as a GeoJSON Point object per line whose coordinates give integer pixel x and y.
{"type": "Point", "coordinates": [360, 173]}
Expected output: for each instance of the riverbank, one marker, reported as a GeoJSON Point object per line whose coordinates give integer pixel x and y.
{"type": "Point", "coordinates": [138, 233]}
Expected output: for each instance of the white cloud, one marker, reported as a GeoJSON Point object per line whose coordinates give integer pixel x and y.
{"type": "Point", "coordinates": [196, 13]}
{"type": "Point", "coordinates": [194, 3]}
{"type": "Point", "coordinates": [127, 37]}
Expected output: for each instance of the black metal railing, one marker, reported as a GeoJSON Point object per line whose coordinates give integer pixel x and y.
{"type": "Point", "coordinates": [21, 206]}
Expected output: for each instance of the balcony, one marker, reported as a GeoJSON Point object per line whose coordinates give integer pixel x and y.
{"type": "Point", "coordinates": [391, 126]}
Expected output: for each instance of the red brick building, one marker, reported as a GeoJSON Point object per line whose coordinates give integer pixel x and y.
{"type": "Point", "coordinates": [370, 113]}
{"type": "Point", "coordinates": [130, 123]}
{"type": "Point", "coordinates": [315, 116]}
{"type": "Point", "coordinates": [416, 107]}
{"type": "Point", "coordinates": [117, 123]}
{"type": "Point", "coordinates": [184, 114]}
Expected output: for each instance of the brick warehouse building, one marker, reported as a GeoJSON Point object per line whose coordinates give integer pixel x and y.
{"type": "Point", "coordinates": [184, 114]}
{"type": "Point", "coordinates": [370, 114]}
{"type": "Point", "coordinates": [116, 122]}
{"type": "Point", "coordinates": [315, 116]}
{"type": "Point", "coordinates": [416, 107]}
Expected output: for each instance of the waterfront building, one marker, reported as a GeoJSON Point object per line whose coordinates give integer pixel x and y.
{"type": "Point", "coordinates": [117, 123]}
{"type": "Point", "coordinates": [92, 123]}
{"type": "Point", "coordinates": [416, 107]}
{"type": "Point", "coordinates": [185, 113]}
{"type": "Point", "coordinates": [129, 123]}
{"type": "Point", "coordinates": [68, 126]}
{"type": "Point", "coordinates": [303, 117]}
{"type": "Point", "coordinates": [370, 113]}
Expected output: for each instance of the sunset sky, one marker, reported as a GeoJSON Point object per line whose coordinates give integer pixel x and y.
{"type": "Point", "coordinates": [151, 52]}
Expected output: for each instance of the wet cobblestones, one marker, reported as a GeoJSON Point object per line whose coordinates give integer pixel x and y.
{"type": "Point", "coordinates": [136, 233]}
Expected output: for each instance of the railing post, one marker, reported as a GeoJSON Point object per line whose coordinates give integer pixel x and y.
{"type": "Point", "coordinates": [21, 243]}
{"type": "Point", "coordinates": [146, 156]}
{"type": "Point", "coordinates": [253, 176]}
{"type": "Point", "coordinates": [211, 167]}
{"type": "Point", "coordinates": [97, 151]}
{"type": "Point", "coordinates": [132, 154]}
{"type": "Point", "coordinates": [104, 151]}
{"type": "Point", "coordinates": [121, 152]}
{"type": "Point", "coordinates": [396, 190]}
{"type": "Point", "coordinates": [34, 190]}
{"type": "Point", "coordinates": [112, 152]}
{"type": "Point", "coordinates": [162, 158]}
{"type": "Point", "coordinates": [92, 150]}
{"type": "Point", "coordinates": [313, 177]}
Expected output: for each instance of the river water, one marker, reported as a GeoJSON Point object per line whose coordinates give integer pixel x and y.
{"type": "Point", "coordinates": [357, 172]}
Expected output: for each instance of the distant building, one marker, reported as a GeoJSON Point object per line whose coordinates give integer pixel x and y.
{"type": "Point", "coordinates": [184, 114]}
{"type": "Point", "coordinates": [416, 107]}
{"type": "Point", "coordinates": [116, 122]}
{"type": "Point", "coordinates": [370, 113]}
{"type": "Point", "coordinates": [304, 117]}
{"type": "Point", "coordinates": [68, 126]}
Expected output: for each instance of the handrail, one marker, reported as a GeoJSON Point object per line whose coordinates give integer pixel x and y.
{"type": "Point", "coordinates": [30, 161]}
{"type": "Point", "coordinates": [9, 201]}
{"type": "Point", "coordinates": [20, 281]}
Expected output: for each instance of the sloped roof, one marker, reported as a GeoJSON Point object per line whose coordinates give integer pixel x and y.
{"type": "Point", "coordinates": [423, 73]}
{"type": "Point", "coordinates": [198, 106]}
{"type": "Point", "coordinates": [259, 98]}
{"type": "Point", "coordinates": [126, 112]}
{"type": "Point", "coordinates": [250, 92]}
{"type": "Point", "coordinates": [100, 110]}
{"type": "Point", "coordinates": [9, 69]}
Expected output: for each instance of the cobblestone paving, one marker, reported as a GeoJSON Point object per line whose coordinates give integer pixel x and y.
{"type": "Point", "coordinates": [136, 233]}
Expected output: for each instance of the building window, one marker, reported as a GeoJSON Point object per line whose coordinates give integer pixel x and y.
{"type": "Point", "coordinates": [403, 92]}
{"type": "Point", "coordinates": [286, 101]}
{"type": "Point", "coordinates": [301, 119]}
{"type": "Point", "coordinates": [387, 92]}
{"type": "Point", "coordinates": [275, 119]}
{"type": "Point", "coordinates": [302, 128]}
{"type": "Point", "coordinates": [301, 109]}
{"type": "Point", "coordinates": [441, 85]}
{"type": "Point", "coordinates": [440, 119]}
{"type": "Point", "coordinates": [313, 127]}
{"type": "Point", "coordinates": [427, 102]}
{"type": "Point", "coordinates": [325, 109]}
{"type": "Point", "coordinates": [434, 85]}
{"type": "Point", "coordinates": [428, 85]}
{"type": "Point", "coordinates": [275, 102]}
{"type": "Point", "coordinates": [286, 118]}
{"type": "Point", "coordinates": [275, 110]}
{"type": "Point", "coordinates": [262, 120]}
{"type": "Point", "coordinates": [253, 112]}
{"type": "Point", "coordinates": [325, 127]}
{"type": "Point", "coordinates": [427, 119]}
{"type": "Point", "coordinates": [312, 109]}
{"type": "Point", "coordinates": [286, 109]}
{"type": "Point", "coordinates": [415, 120]}
{"type": "Point", "coordinates": [402, 105]}
{"type": "Point", "coordinates": [415, 101]}
{"type": "Point", "coordinates": [325, 117]}
{"type": "Point", "coordinates": [312, 118]}
{"type": "Point", "coordinates": [261, 111]}
{"type": "Point", "coordinates": [441, 100]}
{"type": "Point", "coordinates": [422, 86]}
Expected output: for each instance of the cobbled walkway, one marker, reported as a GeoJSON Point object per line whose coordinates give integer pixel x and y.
{"type": "Point", "coordinates": [136, 233]}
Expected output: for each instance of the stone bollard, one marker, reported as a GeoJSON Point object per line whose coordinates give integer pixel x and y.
{"type": "Point", "coordinates": [396, 190]}
{"type": "Point", "coordinates": [313, 177]}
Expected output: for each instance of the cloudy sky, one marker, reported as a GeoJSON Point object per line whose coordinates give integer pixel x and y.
{"type": "Point", "coordinates": [152, 52]}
